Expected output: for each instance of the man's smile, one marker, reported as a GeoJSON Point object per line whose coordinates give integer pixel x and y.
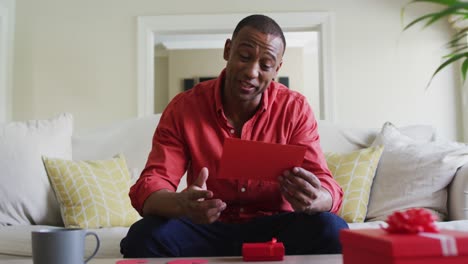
{"type": "Point", "coordinates": [247, 86]}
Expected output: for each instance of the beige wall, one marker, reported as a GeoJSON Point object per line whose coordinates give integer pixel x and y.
{"type": "Point", "coordinates": [191, 64]}
{"type": "Point", "coordinates": [80, 56]}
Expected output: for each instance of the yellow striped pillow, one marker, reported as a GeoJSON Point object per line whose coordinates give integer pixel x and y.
{"type": "Point", "coordinates": [354, 172]}
{"type": "Point", "coordinates": [92, 194]}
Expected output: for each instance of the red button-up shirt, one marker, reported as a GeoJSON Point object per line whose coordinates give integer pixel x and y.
{"type": "Point", "coordinates": [190, 136]}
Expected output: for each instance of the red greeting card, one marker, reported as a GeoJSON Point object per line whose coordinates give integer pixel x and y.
{"type": "Point", "coordinates": [245, 159]}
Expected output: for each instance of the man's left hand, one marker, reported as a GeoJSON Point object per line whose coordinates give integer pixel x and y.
{"type": "Point", "coordinates": [303, 190]}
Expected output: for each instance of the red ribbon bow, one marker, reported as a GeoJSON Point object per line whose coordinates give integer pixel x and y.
{"type": "Point", "coordinates": [272, 246]}
{"type": "Point", "coordinates": [412, 221]}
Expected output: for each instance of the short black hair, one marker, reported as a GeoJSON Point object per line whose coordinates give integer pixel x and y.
{"type": "Point", "coordinates": [263, 24]}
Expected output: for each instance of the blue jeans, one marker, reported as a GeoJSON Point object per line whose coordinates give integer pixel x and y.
{"type": "Point", "coordinates": [300, 233]}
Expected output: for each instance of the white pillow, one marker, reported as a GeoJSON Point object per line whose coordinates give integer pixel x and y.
{"type": "Point", "coordinates": [336, 138]}
{"type": "Point", "coordinates": [412, 173]}
{"type": "Point", "coordinates": [26, 196]}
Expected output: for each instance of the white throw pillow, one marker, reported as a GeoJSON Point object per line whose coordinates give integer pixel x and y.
{"type": "Point", "coordinates": [336, 138]}
{"type": "Point", "coordinates": [413, 173]}
{"type": "Point", "coordinates": [26, 196]}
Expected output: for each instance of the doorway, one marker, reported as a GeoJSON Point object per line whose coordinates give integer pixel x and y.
{"type": "Point", "coordinates": [153, 29]}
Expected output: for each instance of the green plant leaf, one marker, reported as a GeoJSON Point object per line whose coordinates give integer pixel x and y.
{"type": "Point", "coordinates": [446, 63]}
{"type": "Point", "coordinates": [451, 60]}
{"type": "Point", "coordinates": [464, 68]}
{"type": "Point", "coordinates": [433, 17]}
{"type": "Point", "coordinates": [457, 45]}
{"type": "Point", "coordinates": [452, 10]}
{"type": "Point", "coordinates": [456, 51]}
{"type": "Point", "coordinates": [457, 37]}
{"type": "Point", "coordinates": [442, 2]}
{"type": "Point", "coordinates": [458, 42]}
{"type": "Point", "coordinates": [419, 19]}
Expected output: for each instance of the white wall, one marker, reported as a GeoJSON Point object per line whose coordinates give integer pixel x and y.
{"type": "Point", "coordinates": [80, 56]}
{"type": "Point", "coordinates": [7, 20]}
{"type": "Point", "coordinates": [381, 72]}
{"type": "Point", "coordinates": [161, 83]}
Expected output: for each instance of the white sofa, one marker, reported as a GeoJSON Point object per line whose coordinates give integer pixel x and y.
{"type": "Point", "coordinates": [133, 139]}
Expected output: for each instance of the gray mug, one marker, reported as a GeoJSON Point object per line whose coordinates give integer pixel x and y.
{"type": "Point", "coordinates": [60, 246]}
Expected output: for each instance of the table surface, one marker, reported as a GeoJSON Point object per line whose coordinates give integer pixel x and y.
{"type": "Point", "coordinates": [315, 259]}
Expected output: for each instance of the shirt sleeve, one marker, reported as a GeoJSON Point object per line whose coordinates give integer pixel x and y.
{"type": "Point", "coordinates": [306, 134]}
{"type": "Point", "coordinates": [167, 161]}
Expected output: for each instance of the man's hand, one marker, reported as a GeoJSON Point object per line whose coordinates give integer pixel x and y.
{"type": "Point", "coordinates": [197, 204]}
{"type": "Point", "coordinates": [303, 190]}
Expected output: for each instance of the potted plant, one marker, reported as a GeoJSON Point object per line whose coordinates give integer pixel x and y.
{"type": "Point", "coordinates": [457, 11]}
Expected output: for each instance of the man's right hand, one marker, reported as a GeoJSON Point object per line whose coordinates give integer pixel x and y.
{"type": "Point", "coordinates": [197, 204]}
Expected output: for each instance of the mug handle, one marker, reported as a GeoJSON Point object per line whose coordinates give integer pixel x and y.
{"type": "Point", "coordinates": [98, 244]}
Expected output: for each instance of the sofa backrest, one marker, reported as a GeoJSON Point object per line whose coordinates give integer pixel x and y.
{"type": "Point", "coordinates": [132, 138]}
{"type": "Point", "coordinates": [337, 138]}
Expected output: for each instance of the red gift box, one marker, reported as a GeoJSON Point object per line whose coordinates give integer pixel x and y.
{"type": "Point", "coordinates": [267, 251]}
{"type": "Point", "coordinates": [370, 246]}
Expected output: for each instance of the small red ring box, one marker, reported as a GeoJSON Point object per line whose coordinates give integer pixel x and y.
{"type": "Point", "coordinates": [266, 251]}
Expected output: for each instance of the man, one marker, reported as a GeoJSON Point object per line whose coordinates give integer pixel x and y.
{"type": "Point", "coordinates": [214, 216]}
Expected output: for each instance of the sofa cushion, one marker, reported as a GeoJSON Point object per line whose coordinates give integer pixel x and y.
{"type": "Point", "coordinates": [339, 138]}
{"type": "Point", "coordinates": [413, 173]}
{"type": "Point", "coordinates": [336, 138]}
{"type": "Point", "coordinates": [25, 193]}
{"type": "Point", "coordinates": [132, 138]}
{"type": "Point", "coordinates": [92, 194]}
{"type": "Point", "coordinates": [354, 172]}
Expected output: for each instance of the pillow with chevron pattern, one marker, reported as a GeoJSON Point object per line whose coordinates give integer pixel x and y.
{"type": "Point", "coordinates": [354, 172]}
{"type": "Point", "coordinates": [92, 194]}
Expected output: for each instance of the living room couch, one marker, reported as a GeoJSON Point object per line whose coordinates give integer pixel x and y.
{"type": "Point", "coordinates": [132, 138]}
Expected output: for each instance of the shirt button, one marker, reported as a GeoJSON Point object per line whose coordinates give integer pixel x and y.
{"type": "Point", "coordinates": [232, 131]}
{"type": "Point", "coordinates": [241, 210]}
{"type": "Point", "coordinates": [242, 189]}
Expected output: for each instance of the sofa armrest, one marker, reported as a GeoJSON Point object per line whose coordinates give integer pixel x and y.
{"type": "Point", "coordinates": [458, 195]}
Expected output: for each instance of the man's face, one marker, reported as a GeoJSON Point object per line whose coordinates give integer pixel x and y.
{"type": "Point", "coordinates": [253, 60]}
